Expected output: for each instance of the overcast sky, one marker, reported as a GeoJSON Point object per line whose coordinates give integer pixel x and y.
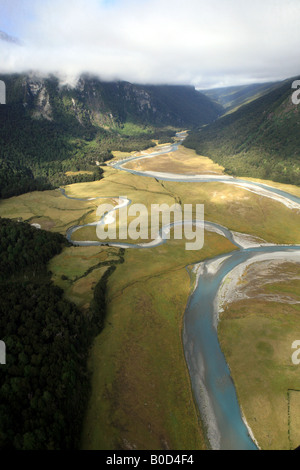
{"type": "Point", "coordinates": [199, 42]}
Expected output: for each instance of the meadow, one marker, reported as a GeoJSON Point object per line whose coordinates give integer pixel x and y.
{"type": "Point", "coordinates": [78, 269]}
{"type": "Point", "coordinates": [141, 396]}
{"type": "Point", "coordinates": [183, 161]}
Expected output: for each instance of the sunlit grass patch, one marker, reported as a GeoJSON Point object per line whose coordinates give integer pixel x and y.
{"type": "Point", "coordinates": [184, 161]}
{"type": "Point", "coordinates": [78, 269]}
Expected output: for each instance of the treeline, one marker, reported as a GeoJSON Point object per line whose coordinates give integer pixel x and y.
{"type": "Point", "coordinates": [44, 386]}
{"type": "Point", "coordinates": [261, 139]}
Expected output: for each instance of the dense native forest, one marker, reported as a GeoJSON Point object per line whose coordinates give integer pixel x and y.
{"type": "Point", "coordinates": [52, 135]}
{"type": "Point", "coordinates": [38, 154]}
{"type": "Point", "coordinates": [44, 387]}
{"type": "Point", "coordinates": [261, 139]}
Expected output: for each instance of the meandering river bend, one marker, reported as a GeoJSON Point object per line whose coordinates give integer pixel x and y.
{"type": "Point", "coordinates": [212, 385]}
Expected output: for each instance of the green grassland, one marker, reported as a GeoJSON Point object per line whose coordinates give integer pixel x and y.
{"type": "Point", "coordinates": [233, 207]}
{"type": "Point", "coordinates": [173, 419]}
{"type": "Point", "coordinates": [257, 336]}
{"type": "Point", "coordinates": [50, 209]}
{"type": "Point", "coordinates": [182, 161]}
{"type": "Point", "coordinates": [78, 269]}
{"type": "Point", "coordinates": [241, 210]}
{"type": "Point", "coordinates": [294, 418]}
{"type": "Point", "coordinates": [141, 398]}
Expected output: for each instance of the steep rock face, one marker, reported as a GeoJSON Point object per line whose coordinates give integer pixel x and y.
{"type": "Point", "coordinates": [37, 95]}
{"type": "Point", "coordinates": [111, 105]}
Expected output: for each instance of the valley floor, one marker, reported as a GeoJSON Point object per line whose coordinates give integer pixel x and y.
{"type": "Point", "coordinates": [141, 394]}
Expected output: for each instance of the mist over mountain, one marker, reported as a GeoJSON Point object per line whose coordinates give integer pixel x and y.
{"type": "Point", "coordinates": [200, 43]}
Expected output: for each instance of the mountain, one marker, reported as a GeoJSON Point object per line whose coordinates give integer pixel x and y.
{"type": "Point", "coordinates": [48, 129]}
{"type": "Point", "coordinates": [233, 97]}
{"type": "Point", "coordinates": [260, 139]}
{"type": "Point", "coordinates": [113, 104]}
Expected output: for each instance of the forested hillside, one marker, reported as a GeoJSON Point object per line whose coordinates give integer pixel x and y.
{"type": "Point", "coordinates": [260, 139]}
{"type": "Point", "coordinates": [44, 386]}
{"type": "Point", "coordinates": [48, 130]}
{"type": "Point", "coordinates": [235, 96]}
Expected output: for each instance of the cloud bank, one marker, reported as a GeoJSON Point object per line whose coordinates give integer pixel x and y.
{"type": "Point", "coordinates": [197, 42]}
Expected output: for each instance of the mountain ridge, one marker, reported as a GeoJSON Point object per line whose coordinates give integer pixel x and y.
{"type": "Point", "coordinates": [114, 103]}
{"type": "Point", "coordinates": [260, 139]}
{"type": "Point", "coordinates": [233, 97]}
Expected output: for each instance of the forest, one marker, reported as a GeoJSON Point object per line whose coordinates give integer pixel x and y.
{"type": "Point", "coordinates": [259, 140]}
{"type": "Point", "coordinates": [44, 386]}
{"type": "Point", "coordinates": [38, 154]}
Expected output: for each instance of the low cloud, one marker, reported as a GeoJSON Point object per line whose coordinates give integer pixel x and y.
{"type": "Point", "coordinates": [203, 43]}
